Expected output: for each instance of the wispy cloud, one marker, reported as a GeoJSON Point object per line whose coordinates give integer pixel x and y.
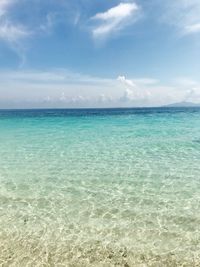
{"type": "Point", "coordinates": [10, 31]}
{"type": "Point", "coordinates": [195, 28]}
{"type": "Point", "coordinates": [47, 26]}
{"type": "Point", "coordinates": [114, 19]}
{"type": "Point", "coordinates": [4, 4]}
{"type": "Point", "coordinates": [183, 14]}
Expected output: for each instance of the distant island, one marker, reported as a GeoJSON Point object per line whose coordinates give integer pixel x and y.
{"type": "Point", "coordinates": [183, 104]}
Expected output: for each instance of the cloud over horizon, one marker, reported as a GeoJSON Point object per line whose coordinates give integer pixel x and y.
{"type": "Point", "coordinates": [62, 88]}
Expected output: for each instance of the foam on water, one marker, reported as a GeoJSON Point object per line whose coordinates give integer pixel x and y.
{"type": "Point", "coordinates": [100, 188]}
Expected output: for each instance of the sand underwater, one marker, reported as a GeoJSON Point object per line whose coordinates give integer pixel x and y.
{"type": "Point", "coordinates": [116, 187]}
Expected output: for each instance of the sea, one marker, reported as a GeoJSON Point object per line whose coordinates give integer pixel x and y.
{"type": "Point", "coordinates": [100, 187]}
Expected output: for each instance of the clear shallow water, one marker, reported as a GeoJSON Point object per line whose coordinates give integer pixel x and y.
{"type": "Point", "coordinates": [100, 187]}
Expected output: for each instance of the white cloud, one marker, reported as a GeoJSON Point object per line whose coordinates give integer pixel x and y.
{"type": "Point", "coordinates": [125, 81]}
{"type": "Point", "coordinates": [136, 90]}
{"type": "Point", "coordinates": [114, 19]}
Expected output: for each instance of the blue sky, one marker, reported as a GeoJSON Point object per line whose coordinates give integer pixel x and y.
{"type": "Point", "coordinates": [89, 53]}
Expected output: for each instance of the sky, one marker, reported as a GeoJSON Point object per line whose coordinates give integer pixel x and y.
{"type": "Point", "coordinates": [99, 53]}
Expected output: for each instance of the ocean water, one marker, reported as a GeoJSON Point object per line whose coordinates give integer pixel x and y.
{"type": "Point", "coordinates": [117, 187]}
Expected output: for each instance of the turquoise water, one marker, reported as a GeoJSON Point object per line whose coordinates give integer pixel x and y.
{"type": "Point", "coordinates": [100, 187]}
